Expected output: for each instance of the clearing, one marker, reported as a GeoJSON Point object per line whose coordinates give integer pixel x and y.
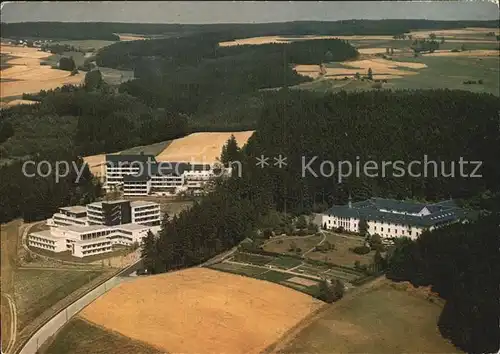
{"type": "Point", "coordinates": [26, 75]}
{"type": "Point", "coordinates": [195, 147]}
{"type": "Point", "coordinates": [201, 147]}
{"type": "Point", "coordinates": [204, 310]}
{"type": "Point", "coordinates": [381, 319]}
{"type": "Point", "coordinates": [82, 337]}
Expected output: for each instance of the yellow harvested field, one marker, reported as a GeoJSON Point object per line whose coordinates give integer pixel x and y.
{"type": "Point", "coordinates": [16, 102]}
{"type": "Point", "coordinates": [200, 147]}
{"type": "Point", "coordinates": [467, 53]}
{"type": "Point", "coordinates": [279, 39]}
{"type": "Point", "coordinates": [382, 69]}
{"type": "Point", "coordinates": [96, 164]}
{"type": "Point", "coordinates": [129, 37]}
{"type": "Point", "coordinates": [469, 31]}
{"type": "Point", "coordinates": [382, 64]}
{"type": "Point", "coordinates": [201, 310]}
{"type": "Point", "coordinates": [375, 50]}
{"type": "Point", "coordinates": [26, 75]}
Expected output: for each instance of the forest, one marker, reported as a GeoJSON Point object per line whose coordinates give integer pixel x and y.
{"type": "Point", "coordinates": [106, 30]}
{"type": "Point", "coordinates": [461, 263]}
{"type": "Point", "coordinates": [382, 126]}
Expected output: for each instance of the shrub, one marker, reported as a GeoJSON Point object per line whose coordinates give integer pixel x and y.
{"type": "Point", "coordinates": [480, 82]}
{"type": "Point", "coordinates": [361, 250]}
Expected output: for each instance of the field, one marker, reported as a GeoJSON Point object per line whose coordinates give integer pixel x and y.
{"type": "Point", "coordinates": [204, 311]}
{"type": "Point", "coordinates": [200, 147]}
{"type": "Point", "coordinates": [82, 337]}
{"type": "Point", "coordinates": [281, 268]}
{"type": "Point", "coordinates": [197, 147]}
{"type": "Point", "coordinates": [36, 290]}
{"type": "Point", "coordinates": [26, 75]}
{"type": "Point", "coordinates": [380, 320]}
{"type": "Point", "coordinates": [441, 69]}
{"type": "Point", "coordinates": [341, 255]}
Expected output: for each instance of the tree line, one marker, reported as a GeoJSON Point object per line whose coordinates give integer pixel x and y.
{"type": "Point", "coordinates": [382, 126]}
{"type": "Point", "coordinates": [462, 264]}
{"type": "Point", "coordinates": [106, 30]}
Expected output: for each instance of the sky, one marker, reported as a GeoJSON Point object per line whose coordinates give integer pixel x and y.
{"type": "Point", "coordinates": [243, 12]}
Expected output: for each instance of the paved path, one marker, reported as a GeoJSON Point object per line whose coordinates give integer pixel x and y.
{"type": "Point", "coordinates": [13, 324]}
{"type": "Point", "coordinates": [63, 316]}
{"type": "Point", "coordinates": [269, 268]}
{"type": "Point", "coordinates": [314, 247]}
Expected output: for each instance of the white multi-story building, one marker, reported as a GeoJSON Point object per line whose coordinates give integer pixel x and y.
{"type": "Point", "coordinates": [84, 241]}
{"type": "Point", "coordinates": [72, 215]}
{"type": "Point", "coordinates": [94, 229]}
{"type": "Point", "coordinates": [140, 175]}
{"type": "Point", "coordinates": [391, 218]}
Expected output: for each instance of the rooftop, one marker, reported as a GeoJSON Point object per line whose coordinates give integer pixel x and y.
{"type": "Point", "coordinates": [400, 212]}
{"type": "Point", "coordinates": [77, 209]}
{"type": "Point", "coordinates": [138, 203]}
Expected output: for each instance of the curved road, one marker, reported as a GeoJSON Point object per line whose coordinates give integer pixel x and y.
{"type": "Point", "coordinates": [13, 324]}
{"type": "Point", "coordinates": [63, 316]}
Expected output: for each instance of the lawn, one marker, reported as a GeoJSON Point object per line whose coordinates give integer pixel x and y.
{"type": "Point", "coordinates": [246, 270]}
{"type": "Point", "coordinates": [37, 290]}
{"type": "Point", "coordinates": [82, 337]}
{"type": "Point", "coordinates": [5, 321]}
{"type": "Point", "coordinates": [286, 262]}
{"type": "Point", "coordinates": [382, 320]}
{"type": "Point", "coordinates": [341, 255]}
{"type": "Point", "coordinates": [283, 245]}
{"type": "Point", "coordinates": [256, 259]}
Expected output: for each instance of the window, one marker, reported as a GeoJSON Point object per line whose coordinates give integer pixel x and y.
{"type": "Point", "coordinates": [381, 229]}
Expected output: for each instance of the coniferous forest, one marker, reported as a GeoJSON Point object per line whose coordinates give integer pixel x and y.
{"type": "Point", "coordinates": [188, 83]}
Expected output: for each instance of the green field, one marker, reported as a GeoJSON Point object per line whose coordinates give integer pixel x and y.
{"type": "Point", "coordinates": [37, 290]}
{"type": "Point", "coordinates": [451, 72]}
{"type": "Point", "coordinates": [382, 320]}
{"type": "Point", "coordinates": [82, 337]}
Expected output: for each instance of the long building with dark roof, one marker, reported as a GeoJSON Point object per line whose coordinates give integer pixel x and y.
{"type": "Point", "coordinates": [391, 218]}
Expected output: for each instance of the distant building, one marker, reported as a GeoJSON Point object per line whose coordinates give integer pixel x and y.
{"type": "Point", "coordinates": [139, 175]}
{"type": "Point", "coordinates": [94, 229]}
{"type": "Point", "coordinates": [391, 218]}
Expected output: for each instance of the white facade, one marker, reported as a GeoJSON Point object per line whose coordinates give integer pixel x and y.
{"type": "Point", "coordinates": [390, 218]}
{"type": "Point", "coordinates": [145, 213]}
{"type": "Point", "coordinates": [83, 241]}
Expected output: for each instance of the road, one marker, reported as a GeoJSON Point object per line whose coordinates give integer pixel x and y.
{"type": "Point", "coordinates": [319, 244]}
{"type": "Point", "coordinates": [63, 316]}
{"type": "Point", "coordinates": [13, 324]}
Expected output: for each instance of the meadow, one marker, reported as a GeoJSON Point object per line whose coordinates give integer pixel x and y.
{"type": "Point", "coordinates": [383, 319]}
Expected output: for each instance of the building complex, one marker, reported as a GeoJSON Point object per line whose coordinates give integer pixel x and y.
{"type": "Point", "coordinates": [139, 175]}
{"type": "Point", "coordinates": [95, 228]}
{"type": "Point", "coordinates": [391, 218]}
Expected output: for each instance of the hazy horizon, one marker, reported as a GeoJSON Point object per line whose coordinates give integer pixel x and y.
{"type": "Point", "coordinates": [243, 12]}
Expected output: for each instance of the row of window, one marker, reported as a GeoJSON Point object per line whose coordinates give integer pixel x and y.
{"type": "Point", "coordinates": [102, 250]}
{"type": "Point", "coordinates": [95, 245]}
{"type": "Point", "coordinates": [42, 245]}
{"type": "Point", "coordinates": [42, 240]}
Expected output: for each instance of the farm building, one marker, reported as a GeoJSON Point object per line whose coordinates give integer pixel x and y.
{"type": "Point", "coordinates": [391, 218]}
